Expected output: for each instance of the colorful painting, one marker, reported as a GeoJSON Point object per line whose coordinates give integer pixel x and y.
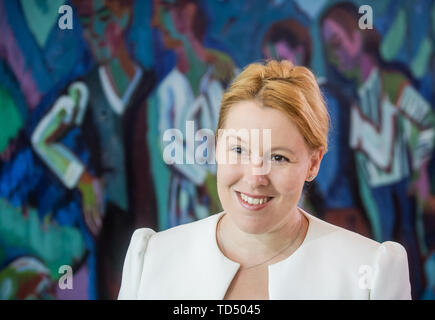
{"type": "Point", "coordinates": [88, 90]}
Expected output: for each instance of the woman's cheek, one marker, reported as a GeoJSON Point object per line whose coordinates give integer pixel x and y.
{"type": "Point", "coordinates": [228, 174]}
{"type": "Point", "coordinates": [286, 181]}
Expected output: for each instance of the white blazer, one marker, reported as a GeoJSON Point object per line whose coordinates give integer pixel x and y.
{"type": "Point", "coordinates": [185, 263]}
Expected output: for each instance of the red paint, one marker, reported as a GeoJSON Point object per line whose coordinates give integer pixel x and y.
{"type": "Point", "coordinates": [113, 36]}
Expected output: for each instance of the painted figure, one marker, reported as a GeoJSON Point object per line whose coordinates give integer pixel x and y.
{"type": "Point", "coordinates": [392, 131]}
{"type": "Point", "coordinates": [191, 91]}
{"type": "Point", "coordinates": [330, 194]}
{"type": "Point", "coordinates": [109, 105]}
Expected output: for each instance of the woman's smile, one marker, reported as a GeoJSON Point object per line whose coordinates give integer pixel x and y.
{"type": "Point", "coordinates": [253, 202]}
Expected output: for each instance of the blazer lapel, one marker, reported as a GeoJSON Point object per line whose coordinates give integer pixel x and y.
{"type": "Point", "coordinates": [210, 272]}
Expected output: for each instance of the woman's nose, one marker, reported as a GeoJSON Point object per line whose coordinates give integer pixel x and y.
{"type": "Point", "coordinates": [259, 166]}
{"type": "Point", "coordinates": [256, 180]}
{"type": "Point", "coordinates": [253, 176]}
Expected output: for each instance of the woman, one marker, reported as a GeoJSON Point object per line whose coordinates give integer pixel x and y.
{"type": "Point", "coordinates": [263, 246]}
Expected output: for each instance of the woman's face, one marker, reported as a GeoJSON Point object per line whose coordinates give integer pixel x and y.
{"type": "Point", "coordinates": [273, 195]}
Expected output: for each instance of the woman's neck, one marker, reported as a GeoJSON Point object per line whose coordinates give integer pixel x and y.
{"type": "Point", "coordinates": [249, 249]}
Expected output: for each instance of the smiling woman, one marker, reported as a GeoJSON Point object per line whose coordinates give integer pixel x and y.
{"type": "Point", "coordinates": [263, 246]}
{"type": "Point", "coordinates": [264, 224]}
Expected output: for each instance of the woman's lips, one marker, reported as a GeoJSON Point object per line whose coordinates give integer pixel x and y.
{"type": "Point", "coordinates": [257, 202]}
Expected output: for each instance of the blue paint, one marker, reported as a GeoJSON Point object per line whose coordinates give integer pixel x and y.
{"type": "Point", "coordinates": [27, 44]}
{"type": "Point", "coordinates": [140, 34]}
{"type": "Point", "coordinates": [235, 28]}
{"type": "Point", "coordinates": [19, 177]}
{"type": "Point", "coordinates": [8, 82]}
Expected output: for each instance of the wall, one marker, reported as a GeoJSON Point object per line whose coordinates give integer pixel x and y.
{"type": "Point", "coordinates": [83, 112]}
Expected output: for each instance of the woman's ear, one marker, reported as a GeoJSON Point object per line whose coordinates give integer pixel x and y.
{"type": "Point", "coordinates": [314, 165]}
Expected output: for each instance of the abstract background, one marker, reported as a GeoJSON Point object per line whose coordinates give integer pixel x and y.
{"type": "Point", "coordinates": [83, 111]}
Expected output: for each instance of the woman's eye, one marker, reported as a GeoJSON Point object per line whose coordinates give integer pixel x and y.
{"type": "Point", "coordinates": [237, 149]}
{"type": "Point", "coordinates": [279, 158]}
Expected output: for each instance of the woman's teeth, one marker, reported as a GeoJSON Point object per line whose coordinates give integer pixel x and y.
{"type": "Point", "coordinates": [253, 201]}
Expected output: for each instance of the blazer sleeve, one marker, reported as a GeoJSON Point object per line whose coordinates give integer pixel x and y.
{"type": "Point", "coordinates": [133, 263]}
{"type": "Point", "coordinates": [391, 275]}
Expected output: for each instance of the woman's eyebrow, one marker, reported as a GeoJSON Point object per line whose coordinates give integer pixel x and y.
{"type": "Point", "coordinates": [283, 149]}
{"type": "Point", "coordinates": [236, 136]}
{"type": "Point", "coordinates": [272, 149]}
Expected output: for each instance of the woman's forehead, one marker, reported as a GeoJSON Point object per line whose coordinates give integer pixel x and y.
{"type": "Point", "coordinates": [248, 118]}
{"type": "Point", "coordinates": [252, 115]}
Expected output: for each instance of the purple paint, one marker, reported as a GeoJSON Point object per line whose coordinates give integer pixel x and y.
{"type": "Point", "coordinates": [10, 52]}
{"type": "Point", "coordinates": [80, 289]}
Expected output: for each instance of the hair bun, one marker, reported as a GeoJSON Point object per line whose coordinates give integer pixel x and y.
{"type": "Point", "coordinates": [279, 70]}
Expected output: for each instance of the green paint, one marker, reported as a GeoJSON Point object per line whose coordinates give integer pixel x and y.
{"type": "Point", "coordinates": [12, 279]}
{"type": "Point", "coordinates": [392, 83]}
{"type": "Point", "coordinates": [369, 202]}
{"type": "Point", "coordinates": [166, 19]}
{"type": "Point", "coordinates": [10, 119]}
{"type": "Point", "coordinates": [352, 73]}
{"type": "Point", "coordinates": [159, 170]}
{"type": "Point", "coordinates": [419, 64]}
{"type": "Point", "coordinates": [210, 184]}
{"type": "Point", "coordinates": [55, 245]}
{"type": "Point", "coordinates": [41, 16]}
{"type": "Point", "coordinates": [433, 21]}
{"type": "Point", "coordinates": [8, 284]}
{"type": "Point", "coordinates": [395, 37]}
{"type": "Point", "coordinates": [119, 77]}
{"type": "Point", "coordinates": [2, 254]}
{"type": "Point", "coordinates": [56, 155]}
{"type": "Point", "coordinates": [197, 68]}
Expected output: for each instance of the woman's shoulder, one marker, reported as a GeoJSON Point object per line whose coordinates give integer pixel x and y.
{"type": "Point", "coordinates": [349, 243]}
{"type": "Point", "coordinates": [178, 234]}
{"type": "Point", "coordinates": [154, 249]}
{"type": "Point", "coordinates": [343, 264]}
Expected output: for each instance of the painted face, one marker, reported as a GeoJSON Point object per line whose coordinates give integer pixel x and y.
{"type": "Point", "coordinates": [103, 24]}
{"type": "Point", "coordinates": [260, 203]}
{"type": "Point", "coordinates": [165, 18]}
{"type": "Point", "coordinates": [280, 50]}
{"type": "Point", "coordinates": [341, 50]}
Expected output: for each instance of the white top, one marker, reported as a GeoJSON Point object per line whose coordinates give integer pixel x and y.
{"type": "Point", "coordinates": [185, 263]}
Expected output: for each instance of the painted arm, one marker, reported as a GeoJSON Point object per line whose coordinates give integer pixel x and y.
{"type": "Point", "coordinates": [418, 124]}
{"type": "Point", "coordinates": [377, 143]}
{"type": "Point", "coordinates": [67, 111]}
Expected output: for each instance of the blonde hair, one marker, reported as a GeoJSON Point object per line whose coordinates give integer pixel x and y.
{"type": "Point", "coordinates": [288, 88]}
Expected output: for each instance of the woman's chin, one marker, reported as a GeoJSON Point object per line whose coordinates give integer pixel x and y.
{"type": "Point", "coordinates": [251, 224]}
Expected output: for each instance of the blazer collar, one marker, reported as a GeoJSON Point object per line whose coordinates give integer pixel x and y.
{"type": "Point", "coordinates": [220, 271]}
{"type": "Point", "coordinates": [214, 284]}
